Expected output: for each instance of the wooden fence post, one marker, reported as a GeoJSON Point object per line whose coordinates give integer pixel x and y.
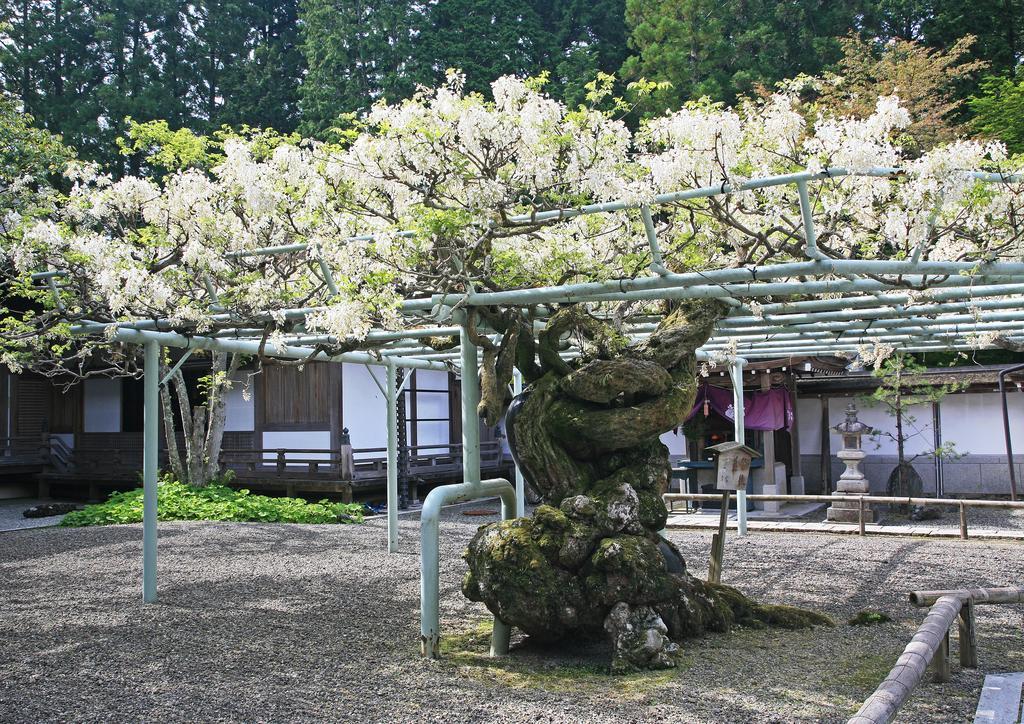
{"type": "Point", "coordinates": [968, 637]}
{"type": "Point", "coordinates": [940, 662]}
{"type": "Point", "coordinates": [963, 521]}
{"type": "Point", "coordinates": [718, 543]}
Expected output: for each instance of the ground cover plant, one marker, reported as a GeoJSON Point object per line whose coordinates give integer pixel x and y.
{"type": "Point", "coordinates": [177, 501]}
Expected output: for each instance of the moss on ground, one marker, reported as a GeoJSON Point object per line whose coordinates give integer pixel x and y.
{"type": "Point", "coordinates": [469, 651]}
{"type": "Point", "coordinates": [868, 617]}
{"type": "Point", "coordinates": [787, 666]}
{"type": "Point", "coordinates": [869, 670]}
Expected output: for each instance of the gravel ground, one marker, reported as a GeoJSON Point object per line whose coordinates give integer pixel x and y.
{"type": "Point", "coordinates": [11, 517]}
{"type": "Point", "coordinates": [300, 623]}
{"type": "Point", "coordinates": [977, 518]}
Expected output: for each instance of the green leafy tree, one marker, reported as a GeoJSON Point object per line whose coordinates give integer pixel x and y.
{"type": "Point", "coordinates": [925, 79]}
{"type": "Point", "coordinates": [30, 161]}
{"type": "Point", "coordinates": [997, 24]}
{"type": "Point", "coordinates": [999, 111]}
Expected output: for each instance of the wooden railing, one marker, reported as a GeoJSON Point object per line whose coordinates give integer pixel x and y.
{"type": "Point", "coordinates": [24, 450]}
{"type": "Point", "coordinates": [424, 460]}
{"type": "Point", "coordinates": [863, 501]}
{"type": "Point", "coordinates": [930, 646]}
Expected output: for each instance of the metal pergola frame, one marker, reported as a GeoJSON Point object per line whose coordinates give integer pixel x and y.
{"type": "Point", "coordinates": [963, 300]}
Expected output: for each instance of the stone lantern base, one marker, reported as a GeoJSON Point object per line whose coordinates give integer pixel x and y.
{"type": "Point", "coordinates": [852, 483]}
{"type": "Point", "coordinates": [849, 512]}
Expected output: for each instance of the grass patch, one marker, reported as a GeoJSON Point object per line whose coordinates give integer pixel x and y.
{"type": "Point", "coordinates": [176, 501]}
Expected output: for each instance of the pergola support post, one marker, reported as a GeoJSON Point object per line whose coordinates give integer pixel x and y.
{"type": "Point", "coordinates": [150, 463]}
{"type": "Point", "coordinates": [472, 488]}
{"type": "Point", "coordinates": [736, 373]}
{"type": "Point", "coordinates": [517, 389]}
{"type": "Point", "coordinates": [392, 402]}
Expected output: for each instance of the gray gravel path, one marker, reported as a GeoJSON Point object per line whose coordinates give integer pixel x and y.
{"type": "Point", "coordinates": [317, 623]}
{"type": "Point", "coordinates": [980, 518]}
{"type": "Point", "coordinates": [11, 517]}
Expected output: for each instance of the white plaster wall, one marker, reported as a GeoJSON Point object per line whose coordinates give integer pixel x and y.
{"type": "Point", "coordinates": [432, 433]}
{"type": "Point", "coordinates": [240, 415]}
{"type": "Point", "coordinates": [101, 403]}
{"type": "Point", "coordinates": [974, 421]}
{"type": "Point", "coordinates": [877, 418]}
{"type": "Point", "coordinates": [432, 404]}
{"type": "Point", "coordinates": [302, 440]}
{"type": "Point", "coordinates": [432, 379]}
{"type": "Point", "coordinates": [808, 425]}
{"type": "Point", "coordinates": [363, 410]}
{"type": "Point", "coordinates": [675, 440]}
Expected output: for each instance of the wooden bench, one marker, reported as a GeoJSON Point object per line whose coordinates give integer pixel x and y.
{"type": "Point", "coordinates": [1000, 700]}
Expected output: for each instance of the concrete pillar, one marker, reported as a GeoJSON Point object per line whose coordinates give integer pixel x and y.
{"type": "Point", "coordinates": [796, 477]}
{"type": "Point", "coordinates": [770, 486]}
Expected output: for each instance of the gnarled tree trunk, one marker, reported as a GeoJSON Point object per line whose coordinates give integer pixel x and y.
{"type": "Point", "coordinates": [591, 558]}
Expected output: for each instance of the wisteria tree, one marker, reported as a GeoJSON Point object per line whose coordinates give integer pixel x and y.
{"type": "Point", "coordinates": [428, 197]}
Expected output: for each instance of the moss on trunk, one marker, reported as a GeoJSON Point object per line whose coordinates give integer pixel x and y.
{"type": "Point", "coordinates": [591, 559]}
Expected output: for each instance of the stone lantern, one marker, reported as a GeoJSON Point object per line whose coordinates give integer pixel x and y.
{"type": "Point", "coordinates": [852, 482]}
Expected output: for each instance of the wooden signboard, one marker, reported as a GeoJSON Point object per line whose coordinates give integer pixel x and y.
{"type": "Point", "coordinates": [733, 464]}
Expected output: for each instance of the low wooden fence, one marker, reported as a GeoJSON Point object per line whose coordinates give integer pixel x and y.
{"type": "Point", "coordinates": [23, 450]}
{"type": "Point", "coordinates": [862, 500]}
{"type": "Point", "coordinates": [270, 468]}
{"type": "Point", "coordinates": [930, 646]}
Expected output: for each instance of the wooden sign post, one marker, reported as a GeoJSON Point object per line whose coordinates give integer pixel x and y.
{"type": "Point", "coordinates": [733, 469]}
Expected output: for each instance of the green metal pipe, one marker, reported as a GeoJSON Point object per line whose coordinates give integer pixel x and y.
{"type": "Point", "coordinates": [722, 283]}
{"type": "Point", "coordinates": [470, 387]}
{"type": "Point", "coordinates": [150, 463]}
{"type": "Point", "coordinates": [652, 240]}
{"type": "Point", "coordinates": [911, 320]}
{"type": "Point", "coordinates": [807, 216]}
{"type": "Point", "coordinates": [898, 308]}
{"type": "Point", "coordinates": [517, 389]}
{"type": "Point", "coordinates": [392, 424]}
{"type": "Point", "coordinates": [430, 626]}
{"type": "Point", "coordinates": [172, 339]}
{"type": "Point", "coordinates": [739, 410]}
{"type": "Point", "coordinates": [696, 193]}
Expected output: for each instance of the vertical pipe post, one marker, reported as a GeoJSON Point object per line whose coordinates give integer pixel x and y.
{"type": "Point", "coordinates": [1006, 428]}
{"type": "Point", "coordinates": [517, 389]}
{"type": "Point", "coordinates": [470, 386]}
{"type": "Point", "coordinates": [150, 450]}
{"type": "Point", "coordinates": [736, 372]}
{"type": "Point", "coordinates": [392, 402]}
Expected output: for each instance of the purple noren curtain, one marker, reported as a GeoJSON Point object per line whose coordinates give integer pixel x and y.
{"type": "Point", "coordinates": [763, 410]}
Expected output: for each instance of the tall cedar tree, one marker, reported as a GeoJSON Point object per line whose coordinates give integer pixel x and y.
{"type": "Point", "coordinates": [726, 48]}
{"type": "Point", "coordinates": [80, 68]}
{"type": "Point", "coordinates": [361, 52]}
{"type": "Point", "coordinates": [357, 52]}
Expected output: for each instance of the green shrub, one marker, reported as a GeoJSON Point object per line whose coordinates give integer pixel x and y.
{"type": "Point", "coordinates": [176, 501]}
